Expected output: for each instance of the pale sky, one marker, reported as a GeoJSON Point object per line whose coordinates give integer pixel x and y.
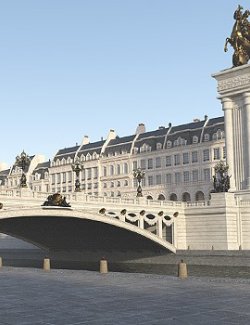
{"type": "Point", "coordinates": [70, 68]}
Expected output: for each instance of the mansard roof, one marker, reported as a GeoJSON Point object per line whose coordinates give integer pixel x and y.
{"type": "Point", "coordinates": [119, 145]}
{"type": "Point", "coordinates": [42, 167]}
{"type": "Point", "coordinates": [91, 148]}
{"type": "Point", "coordinates": [66, 152]}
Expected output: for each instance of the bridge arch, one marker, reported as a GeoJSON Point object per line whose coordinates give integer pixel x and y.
{"type": "Point", "coordinates": [60, 228]}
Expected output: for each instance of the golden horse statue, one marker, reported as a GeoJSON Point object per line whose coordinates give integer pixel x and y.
{"type": "Point", "coordinates": [240, 37]}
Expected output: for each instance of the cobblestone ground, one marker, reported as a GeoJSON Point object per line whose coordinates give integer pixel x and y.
{"type": "Point", "coordinates": [66, 297]}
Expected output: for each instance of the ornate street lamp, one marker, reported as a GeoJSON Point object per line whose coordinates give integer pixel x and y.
{"type": "Point", "coordinates": [77, 166]}
{"type": "Point", "coordinates": [139, 175]}
{"type": "Point", "coordinates": [23, 161]}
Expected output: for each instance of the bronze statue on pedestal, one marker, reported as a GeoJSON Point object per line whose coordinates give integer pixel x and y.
{"type": "Point", "coordinates": [240, 37]}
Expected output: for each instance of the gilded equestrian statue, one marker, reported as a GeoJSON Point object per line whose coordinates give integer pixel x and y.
{"type": "Point", "coordinates": [240, 37]}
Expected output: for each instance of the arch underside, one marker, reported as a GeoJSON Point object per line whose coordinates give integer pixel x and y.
{"type": "Point", "coordinates": [71, 233]}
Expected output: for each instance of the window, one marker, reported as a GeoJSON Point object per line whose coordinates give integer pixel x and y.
{"type": "Point", "coordinates": [69, 177]}
{"type": "Point", "coordinates": [224, 153]}
{"type": "Point", "coordinates": [195, 139]}
{"type": "Point", "coordinates": [112, 184]}
{"type": "Point", "coordinates": [104, 185]}
{"type": "Point", "coordinates": [206, 137]}
{"type": "Point", "coordinates": [125, 168]}
{"type": "Point", "coordinates": [64, 177]}
{"type": "Point", "coordinates": [194, 156]}
{"type": "Point", "coordinates": [135, 150]}
{"type": "Point", "coordinates": [169, 144]}
{"type": "Point", "coordinates": [158, 146]}
{"type": "Point", "coordinates": [143, 164]}
{"type": "Point", "coordinates": [104, 171]}
{"type": "Point", "coordinates": [95, 172]}
{"type": "Point", "coordinates": [111, 169]}
{"type": "Point", "coordinates": [118, 184]}
{"type": "Point", "coordinates": [216, 153]}
{"type": "Point", "coordinates": [177, 178]}
{"type": "Point", "coordinates": [173, 197]}
{"type": "Point", "coordinates": [206, 174]}
{"type": "Point", "coordinates": [185, 158]}
{"type": "Point", "coordinates": [118, 169]}
{"type": "Point", "coordinates": [150, 163]}
{"type": "Point", "coordinates": [150, 181]}
{"type": "Point", "coordinates": [206, 156]}
{"type": "Point", "coordinates": [176, 159]}
{"type": "Point", "coordinates": [134, 165]}
{"type": "Point", "coordinates": [168, 161]}
{"type": "Point", "coordinates": [58, 176]}
{"type": "Point", "coordinates": [145, 148]}
{"type": "Point", "coordinates": [126, 182]}
{"type": "Point", "coordinates": [158, 179]}
{"type": "Point", "coordinates": [186, 176]}
{"type": "Point", "coordinates": [158, 162]}
{"type": "Point", "coordinates": [169, 179]}
{"type": "Point", "coordinates": [195, 175]}
{"type": "Point", "coordinates": [89, 173]}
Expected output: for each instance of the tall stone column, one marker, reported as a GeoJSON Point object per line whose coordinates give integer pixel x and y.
{"type": "Point", "coordinates": [227, 106]}
{"type": "Point", "coordinates": [234, 93]}
{"type": "Point", "coordinates": [246, 135]}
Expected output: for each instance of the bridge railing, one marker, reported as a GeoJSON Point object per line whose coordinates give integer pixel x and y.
{"type": "Point", "coordinates": [84, 198]}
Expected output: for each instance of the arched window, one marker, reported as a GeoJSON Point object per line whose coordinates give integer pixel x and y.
{"type": "Point", "coordinates": [111, 169]}
{"type": "Point", "coordinates": [112, 184]}
{"type": "Point", "coordinates": [161, 197]}
{"type": "Point", "coordinates": [118, 169]}
{"type": "Point", "coordinates": [195, 139]}
{"type": "Point", "coordinates": [173, 197]}
{"type": "Point", "coordinates": [149, 197]}
{"type": "Point", "coordinates": [126, 182]}
{"type": "Point", "coordinates": [169, 144]}
{"type": "Point", "coordinates": [186, 197]}
{"type": "Point", "coordinates": [206, 137]}
{"type": "Point", "coordinates": [158, 146]}
{"type": "Point", "coordinates": [88, 157]}
{"type": "Point", "coordinates": [63, 161]}
{"type": "Point", "coordinates": [199, 196]}
{"type": "Point", "coordinates": [104, 171]}
{"type": "Point", "coordinates": [118, 184]}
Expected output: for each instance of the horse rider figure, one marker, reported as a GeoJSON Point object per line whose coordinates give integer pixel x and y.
{"type": "Point", "coordinates": [240, 37]}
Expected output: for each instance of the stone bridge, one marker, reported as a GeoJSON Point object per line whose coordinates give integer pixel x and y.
{"type": "Point", "coordinates": [91, 223]}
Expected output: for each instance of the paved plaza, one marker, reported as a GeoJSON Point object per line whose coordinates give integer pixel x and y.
{"type": "Point", "coordinates": [68, 297]}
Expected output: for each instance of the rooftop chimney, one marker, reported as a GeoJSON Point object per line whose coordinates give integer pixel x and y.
{"type": "Point", "coordinates": [85, 140]}
{"type": "Point", "coordinates": [140, 129]}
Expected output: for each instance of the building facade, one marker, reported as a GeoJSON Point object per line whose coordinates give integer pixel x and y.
{"type": "Point", "coordinates": [178, 162]}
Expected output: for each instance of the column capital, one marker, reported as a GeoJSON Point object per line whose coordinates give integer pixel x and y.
{"type": "Point", "coordinates": [227, 103]}
{"type": "Point", "coordinates": [246, 98]}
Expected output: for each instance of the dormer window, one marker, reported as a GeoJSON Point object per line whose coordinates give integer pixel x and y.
{"type": "Point", "coordinates": [145, 148]}
{"type": "Point", "coordinates": [169, 144]}
{"type": "Point", "coordinates": [195, 139]}
{"type": "Point", "coordinates": [88, 157]}
{"type": "Point", "coordinates": [158, 146]}
{"type": "Point", "coordinates": [135, 150]}
{"type": "Point", "coordinates": [206, 137]}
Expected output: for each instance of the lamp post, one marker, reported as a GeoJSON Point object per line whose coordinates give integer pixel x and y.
{"type": "Point", "coordinates": [77, 166]}
{"type": "Point", "coordinates": [139, 175]}
{"type": "Point", "coordinates": [23, 161]}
